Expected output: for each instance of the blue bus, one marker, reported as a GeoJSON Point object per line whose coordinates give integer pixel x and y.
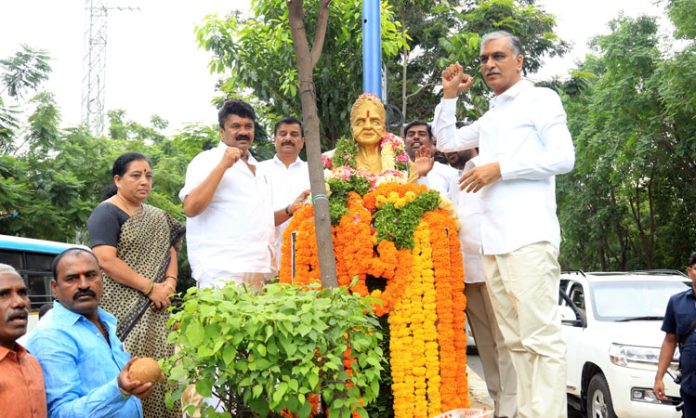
{"type": "Point", "coordinates": [32, 258]}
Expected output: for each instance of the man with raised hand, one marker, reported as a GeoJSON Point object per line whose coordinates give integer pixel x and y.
{"type": "Point", "coordinates": [524, 143]}
{"type": "Point", "coordinates": [420, 146]}
{"type": "Point", "coordinates": [229, 227]}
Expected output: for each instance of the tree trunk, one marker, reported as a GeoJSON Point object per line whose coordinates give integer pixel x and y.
{"type": "Point", "coordinates": [305, 66]}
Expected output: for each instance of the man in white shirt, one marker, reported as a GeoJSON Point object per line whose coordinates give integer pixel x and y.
{"type": "Point", "coordinates": [524, 143]}
{"type": "Point", "coordinates": [229, 227]}
{"type": "Point", "coordinates": [419, 143]}
{"type": "Point", "coordinates": [287, 175]}
{"type": "Point", "coordinates": [498, 370]}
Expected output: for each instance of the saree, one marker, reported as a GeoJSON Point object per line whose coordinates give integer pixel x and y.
{"type": "Point", "coordinates": [144, 243]}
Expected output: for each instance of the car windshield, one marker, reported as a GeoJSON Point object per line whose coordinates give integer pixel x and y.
{"type": "Point", "coordinates": [633, 300]}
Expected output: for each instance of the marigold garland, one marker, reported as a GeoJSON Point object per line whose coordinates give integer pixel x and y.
{"type": "Point", "coordinates": [423, 290]}
{"type": "Point", "coordinates": [448, 284]}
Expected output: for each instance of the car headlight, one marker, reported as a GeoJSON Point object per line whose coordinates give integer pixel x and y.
{"type": "Point", "coordinates": [634, 356]}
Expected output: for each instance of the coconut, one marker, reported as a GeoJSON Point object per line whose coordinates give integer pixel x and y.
{"type": "Point", "coordinates": [145, 370]}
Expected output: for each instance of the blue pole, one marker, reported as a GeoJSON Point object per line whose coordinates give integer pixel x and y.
{"type": "Point", "coordinates": [372, 48]}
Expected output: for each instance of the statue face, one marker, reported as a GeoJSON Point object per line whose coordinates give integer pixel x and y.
{"type": "Point", "coordinates": [368, 125]}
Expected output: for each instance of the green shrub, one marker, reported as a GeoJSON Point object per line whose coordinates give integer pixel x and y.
{"type": "Point", "coordinates": [264, 353]}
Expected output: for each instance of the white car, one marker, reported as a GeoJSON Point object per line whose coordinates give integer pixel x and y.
{"type": "Point", "coordinates": [612, 327]}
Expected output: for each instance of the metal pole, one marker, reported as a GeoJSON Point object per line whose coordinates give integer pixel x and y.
{"type": "Point", "coordinates": [372, 48]}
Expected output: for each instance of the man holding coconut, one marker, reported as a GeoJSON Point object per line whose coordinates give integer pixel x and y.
{"type": "Point", "coordinates": [85, 366]}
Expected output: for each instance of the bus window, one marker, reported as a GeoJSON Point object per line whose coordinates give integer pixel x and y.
{"type": "Point", "coordinates": [33, 258]}
{"type": "Point", "coordinates": [13, 258]}
{"type": "Point", "coordinates": [39, 262]}
{"type": "Point", "coordinates": [39, 289]}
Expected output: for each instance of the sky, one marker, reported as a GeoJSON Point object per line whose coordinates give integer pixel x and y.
{"type": "Point", "coordinates": [154, 65]}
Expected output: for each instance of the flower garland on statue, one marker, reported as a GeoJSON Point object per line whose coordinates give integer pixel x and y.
{"type": "Point", "coordinates": [405, 235]}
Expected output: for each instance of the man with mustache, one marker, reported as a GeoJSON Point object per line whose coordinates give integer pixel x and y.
{"type": "Point", "coordinates": [230, 229]}
{"type": "Point", "coordinates": [22, 392]}
{"type": "Point", "coordinates": [420, 146]}
{"type": "Point", "coordinates": [524, 143]}
{"type": "Point", "coordinates": [287, 175]}
{"type": "Point", "coordinates": [84, 364]}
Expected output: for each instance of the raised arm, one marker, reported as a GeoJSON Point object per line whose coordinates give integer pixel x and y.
{"type": "Point", "coordinates": [198, 199]}
{"type": "Point", "coordinates": [449, 138]}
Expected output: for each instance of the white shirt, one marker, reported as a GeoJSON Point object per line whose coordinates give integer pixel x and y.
{"type": "Point", "coordinates": [526, 132]}
{"type": "Point", "coordinates": [286, 184]}
{"type": "Point", "coordinates": [235, 233]}
{"type": "Point", "coordinates": [440, 178]}
{"type": "Point", "coordinates": [469, 212]}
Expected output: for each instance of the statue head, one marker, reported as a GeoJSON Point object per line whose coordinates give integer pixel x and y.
{"type": "Point", "coordinates": [367, 120]}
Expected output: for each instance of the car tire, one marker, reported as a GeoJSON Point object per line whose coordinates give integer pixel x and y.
{"type": "Point", "coordinates": [599, 403]}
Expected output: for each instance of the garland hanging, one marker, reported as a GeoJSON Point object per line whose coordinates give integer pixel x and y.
{"type": "Point", "coordinates": [398, 244]}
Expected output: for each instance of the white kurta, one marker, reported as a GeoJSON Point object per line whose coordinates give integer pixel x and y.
{"type": "Point", "coordinates": [526, 132]}
{"type": "Point", "coordinates": [286, 183]}
{"type": "Point", "coordinates": [235, 233]}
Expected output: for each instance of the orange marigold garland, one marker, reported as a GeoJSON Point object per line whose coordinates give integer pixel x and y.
{"type": "Point", "coordinates": [306, 259]}
{"type": "Point", "coordinates": [449, 322]}
{"type": "Point", "coordinates": [459, 306]}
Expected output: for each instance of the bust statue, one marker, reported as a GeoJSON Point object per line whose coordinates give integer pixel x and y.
{"type": "Point", "coordinates": [368, 126]}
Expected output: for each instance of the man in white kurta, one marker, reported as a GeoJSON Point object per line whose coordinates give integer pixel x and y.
{"type": "Point", "coordinates": [524, 143]}
{"type": "Point", "coordinates": [229, 226]}
{"type": "Point", "coordinates": [287, 175]}
{"type": "Point", "coordinates": [498, 371]}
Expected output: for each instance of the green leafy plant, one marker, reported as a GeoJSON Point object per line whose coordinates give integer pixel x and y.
{"type": "Point", "coordinates": [261, 354]}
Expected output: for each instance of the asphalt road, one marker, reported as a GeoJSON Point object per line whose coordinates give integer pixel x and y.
{"type": "Point", "coordinates": [475, 363]}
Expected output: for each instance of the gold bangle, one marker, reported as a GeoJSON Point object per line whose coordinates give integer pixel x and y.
{"type": "Point", "coordinates": [171, 277]}
{"type": "Point", "coordinates": [152, 286]}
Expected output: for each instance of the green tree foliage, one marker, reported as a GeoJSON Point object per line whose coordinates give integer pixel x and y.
{"type": "Point", "coordinates": [450, 31]}
{"type": "Point", "coordinates": [257, 54]}
{"type": "Point", "coordinates": [631, 111]}
{"type": "Point", "coordinates": [51, 179]}
{"type": "Point", "coordinates": [22, 73]}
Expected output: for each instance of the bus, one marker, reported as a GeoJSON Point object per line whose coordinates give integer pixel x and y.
{"type": "Point", "coordinates": [32, 258]}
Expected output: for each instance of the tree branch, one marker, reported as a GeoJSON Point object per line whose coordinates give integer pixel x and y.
{"type": "Point", "coordinates": [429, 84]}
{"type": "Point", "coordinates": [322, 24]}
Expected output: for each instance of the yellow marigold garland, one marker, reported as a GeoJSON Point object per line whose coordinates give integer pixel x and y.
{"type": "Point", "coordinates": [429, 302]}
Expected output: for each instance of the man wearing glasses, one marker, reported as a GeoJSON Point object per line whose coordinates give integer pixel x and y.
{"type": "Point", "coordinates": [523, 143]}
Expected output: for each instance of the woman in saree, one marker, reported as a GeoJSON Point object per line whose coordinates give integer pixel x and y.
{"type": "Point", "coordinates": [136, 245]}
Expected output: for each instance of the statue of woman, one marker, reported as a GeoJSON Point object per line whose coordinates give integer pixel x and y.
{"type": "Point", "coordinates": [368, 126]}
